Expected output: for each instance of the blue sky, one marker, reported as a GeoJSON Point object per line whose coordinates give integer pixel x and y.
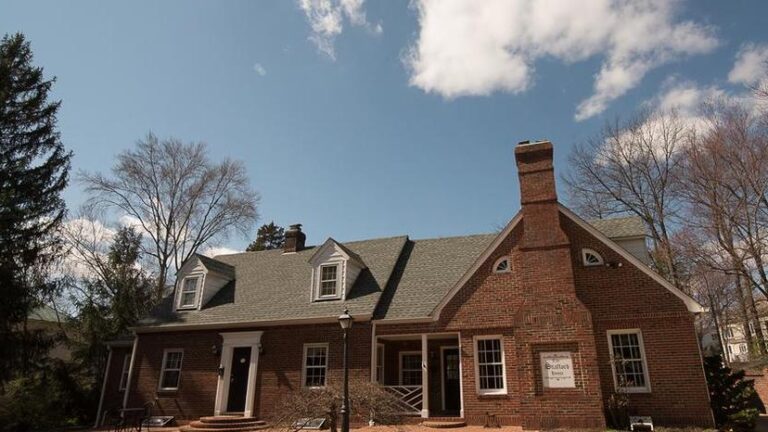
{"type": "Point", "coordinates": [378, 119]}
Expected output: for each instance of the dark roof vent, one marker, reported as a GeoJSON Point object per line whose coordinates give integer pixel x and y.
{"type": "Point", "coordinates": [294, 239]}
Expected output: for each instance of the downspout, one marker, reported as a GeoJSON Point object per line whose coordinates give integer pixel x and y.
{"type": "Point", "coordinates": [97, 423]}
{"type": "Point", "coordinates": [130, 371]}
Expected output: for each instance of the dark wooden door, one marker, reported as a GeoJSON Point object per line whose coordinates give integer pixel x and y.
{"type": "Point", "coordinates": [451, 379]}
{"type": "Point", "coordinates": [238, 379]}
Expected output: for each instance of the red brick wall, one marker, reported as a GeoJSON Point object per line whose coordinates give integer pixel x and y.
{"type": "Point", "coordinates": [605, 298]}
{"type": "Point", "coordinates": [626, 298]}
{"type": "Point", "coordinates": [760, 380]}
{"type": "Point", "coordinates": [279, 367]}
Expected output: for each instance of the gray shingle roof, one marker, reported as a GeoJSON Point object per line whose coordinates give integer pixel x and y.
{"type": "Point", "coordinates": [432, 267]}
{"type": "Point", "coordinates": [622, 227]}
{"type": "Point", "coordinates": [217, 265]}
{"type": "Point", "coordinates": [272, 286]}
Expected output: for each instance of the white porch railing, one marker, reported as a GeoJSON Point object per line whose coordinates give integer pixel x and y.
{"type": "Point", "coordinates": [410, 397]}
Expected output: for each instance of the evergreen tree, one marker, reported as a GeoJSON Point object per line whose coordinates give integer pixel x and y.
{"type": "Point", "coordinates": [34, 169]}
{"type": "Point", "coordinates": [116, 300]}
{"type": "Point", "coordinates": [730, 395]}
{"type": "Point", "coordinates": [269, 236]}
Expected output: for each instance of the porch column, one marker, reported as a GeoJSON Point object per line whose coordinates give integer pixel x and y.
{"type": "Point", "coordinates": [424, 376]}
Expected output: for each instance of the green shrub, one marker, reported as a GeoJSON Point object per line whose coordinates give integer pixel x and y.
{"type": "Point", "coordinates": [50, 398]}
{"type": "Point", "coordinates": [730, 396]}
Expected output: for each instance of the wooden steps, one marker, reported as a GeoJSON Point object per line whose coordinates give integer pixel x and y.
{"type": "Point", "coordinates": [225, 424]}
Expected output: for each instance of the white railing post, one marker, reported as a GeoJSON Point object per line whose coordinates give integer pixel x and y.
{"type": "Point", "coordinates": [424, 376]}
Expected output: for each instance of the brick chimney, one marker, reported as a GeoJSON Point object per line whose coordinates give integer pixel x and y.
{"type": "Point", "coordinates": [551, 317]}
{"type": "Point", "coordinates": [294, 239]}
{"type": "Point", "coordinates": [538, 196]}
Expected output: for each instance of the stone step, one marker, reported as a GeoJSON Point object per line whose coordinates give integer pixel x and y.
{"type": "Point", "coordinates": [225, 425]}
{"type": "Point", "coordinates": [444, 424]}
{"type": "Point", "coordinates": [227, 419]}
{"type": "Point", "coordinates": [251, 428]}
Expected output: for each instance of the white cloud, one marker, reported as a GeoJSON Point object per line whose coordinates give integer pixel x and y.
{"type": "Point", "coordinates": [326, 18]}
{"type": "Point", "coordinates": [475, 48]}
{"type": "Point", "coordinates": [751, 65]}
{"type": "Point", "coordinates": [259, 69]}
{"type": "Point", "coordinates": [212, 251]}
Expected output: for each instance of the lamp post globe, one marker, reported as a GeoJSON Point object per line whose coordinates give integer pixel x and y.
{"type": "Point", "coordinates": [345, 321]}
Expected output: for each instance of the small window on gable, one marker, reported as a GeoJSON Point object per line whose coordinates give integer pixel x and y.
{"type": "Point", "coordinates": [329, 281]}
{"type": "Point", "coordinates": [590, 258]}
{"type": "Point", "coordinates": [502, 265]}
{"type": "Point", "coordinates": [189, 290]}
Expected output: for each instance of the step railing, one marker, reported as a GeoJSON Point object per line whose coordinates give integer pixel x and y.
{"type": "Point", "coordinates": [410, 397]}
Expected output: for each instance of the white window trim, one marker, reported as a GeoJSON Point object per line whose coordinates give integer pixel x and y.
{"type": "Point", "coordinates": [400, 356]}
{"type": "Point", "coordinates": [490, 392]}
{"type": "Point", "coordinates": [380, 358]}
{"type": "Point", "coordinates": [588, 251]}
{"type": "Point", "coordinates": [498, 261]}
{"type": "Point", "coordinates": [304, 364]}
{"type": "Point", "coordinates": [319, 283]}
{"type": "Point", "coordinates": [163, 369]}
{"type": "Point", "coordinates": [198, 289]}
{"type": "Point", "coordinates": [646, 372]}
{"type": "Point", "coordinates": [124, 372]}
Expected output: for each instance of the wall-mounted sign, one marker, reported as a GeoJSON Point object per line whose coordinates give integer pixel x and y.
{"type": "Point", "coordinates": [557, 369]}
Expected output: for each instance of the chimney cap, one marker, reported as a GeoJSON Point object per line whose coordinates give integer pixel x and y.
{"type": "Point", "coordinates": [294, 227]}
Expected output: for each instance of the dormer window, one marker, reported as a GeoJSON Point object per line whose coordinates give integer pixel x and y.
{"type": "Point", "coordinates": [335, 268]}
{"type": "Point", "coordinates": [329, 281]}
{"type": "Point", "coordinates": [189, 289]}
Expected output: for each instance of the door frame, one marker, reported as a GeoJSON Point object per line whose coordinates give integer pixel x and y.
{"type": "Point", "coordinates": [231, 340]}
{"type": "Point", "coordinates": [442, 373]}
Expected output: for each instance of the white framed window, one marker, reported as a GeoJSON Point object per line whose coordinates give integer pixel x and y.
{"type": "Point", "coordinates": [410, 368]}
{"type": "Point", "coordinates": [315, 365]}
{"type": "Point", "coordinates": [502, 265]}
{"type": "Point", "coordinates": [170, 372]}
{"type": "Point", "coordinates": [329, 281]}
{"type": "Point", "coordinates": [628, 361]}
{"type": "Point", "coordinates": [124, 372]}
{"type": "Point", "coordinates": [590, 258]}
{"type": "Point", "coordinates": [490, 372]}
{"type": "Point", "coordinates": [743, 348]}
{"type": "Point", "coordinates": [380, 363]}
{"type": "Point", "coordinates": [730, 350]}
{"type": "Point", "coordinates": [729, 332]}
{"type": "Point", "coordinates": [190, 287]}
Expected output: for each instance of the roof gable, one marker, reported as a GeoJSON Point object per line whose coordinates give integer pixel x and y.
{"type": "Point", "coordinates": [691, 304]}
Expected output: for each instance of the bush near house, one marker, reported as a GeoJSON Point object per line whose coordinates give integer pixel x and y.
{"type": "Point", "coordinates": [730, 395]}
{"type": "Point", "coordinates": [368, 401]}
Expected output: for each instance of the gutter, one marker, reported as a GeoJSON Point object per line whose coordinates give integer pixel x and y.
{"type": "Point", "coordinates": [242, 324]}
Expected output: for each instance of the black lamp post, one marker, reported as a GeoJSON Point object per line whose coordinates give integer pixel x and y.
{"type": "Point", "coordinates": [345, 320]}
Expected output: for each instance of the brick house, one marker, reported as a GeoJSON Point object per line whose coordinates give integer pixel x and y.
{"type": "Point", "coordinates": [537, 324]}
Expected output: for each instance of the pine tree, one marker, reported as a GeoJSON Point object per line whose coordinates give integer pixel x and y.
{"type": "Point", "coordinates": [34, 169]}
{"type": "Point", "coordinates": [114, 301]}
{"type": "Point", "coordinates": [730, 395]}
{"type": "Point", "coordinates": [269, 236]}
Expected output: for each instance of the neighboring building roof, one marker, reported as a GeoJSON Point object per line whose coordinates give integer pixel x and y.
{"type": "Point", "coordinates": [45, 313]}
{"type": "Point", "coordinates": [621, 227]}
{"type": "Point", "coordinates": [404, 279]}
{"type": "Point", "coordinates": [272, 286]}
{"type": "Point", "coordinates": [217, 266]}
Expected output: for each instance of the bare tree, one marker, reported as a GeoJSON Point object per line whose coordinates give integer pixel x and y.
{"type": "Point", "coordinates": [177, 196]}
{"type": "Point", "coordinates": [628, 169]}
{"type": "Point", "coordinates": [724, 183]}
